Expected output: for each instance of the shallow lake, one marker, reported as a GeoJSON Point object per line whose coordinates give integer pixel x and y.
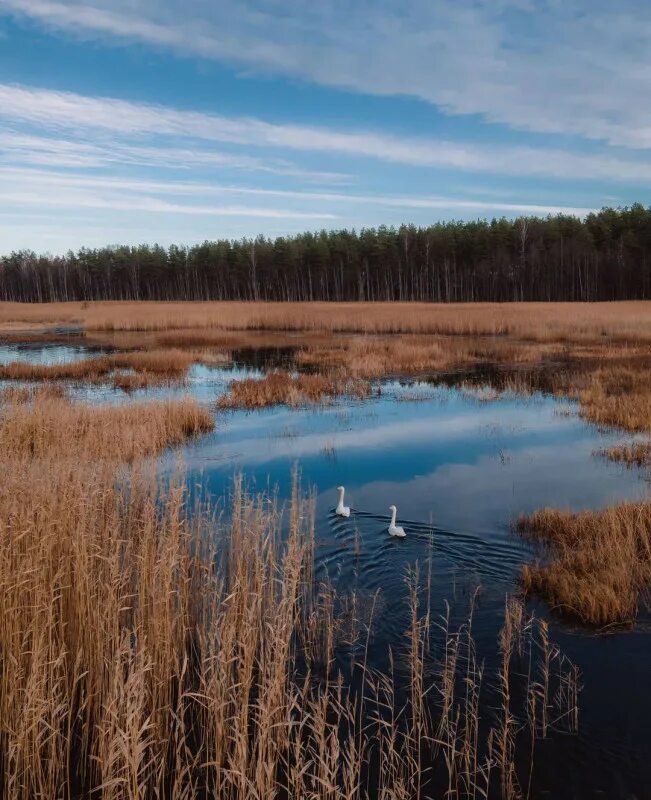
{"type": "Point", "coordinates": [460, 466]}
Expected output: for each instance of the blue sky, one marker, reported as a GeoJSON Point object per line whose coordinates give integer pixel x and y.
{"type": "Point", "coordinates": [128, 121]}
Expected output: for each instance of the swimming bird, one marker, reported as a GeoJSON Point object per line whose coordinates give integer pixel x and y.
{"type": "Point", "coordinates": [342, 510]}
{"type": "Point", "coordinates": [395, 530]}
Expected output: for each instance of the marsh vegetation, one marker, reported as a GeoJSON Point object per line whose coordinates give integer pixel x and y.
{"type": "Point", "coordinates": [151, 649]}
{"type": "Point", "coordinates": [158, 642]}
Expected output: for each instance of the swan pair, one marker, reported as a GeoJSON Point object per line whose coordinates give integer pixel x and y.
{"type": "Point", "coordinates": [344, 511]}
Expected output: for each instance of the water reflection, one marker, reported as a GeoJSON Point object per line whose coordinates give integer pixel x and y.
{"type": "Point", "coordinates": [38, 353]}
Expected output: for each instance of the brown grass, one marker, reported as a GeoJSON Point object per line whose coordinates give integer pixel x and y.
{"type": "Point", "coordinates": [148, 367]}
{"type": "Point", "coordinates": [598, 354]}
{"type": "Point", "coordinates": [24, 394]}
{"type": "Point", "coordinates": [378, 357]}
{"type": "Point", "coordinates": [412, 354]}
{"type": "Point", "coordinates": [281, 388]}
{"type": "Point", "coordinates": [57, 428]}
{"type": "Point", "coordinates": [150, 654]}
{"type": "Point", "coordinates": [617, 395]}
{"type": "Point", "coordinates": [611, 385]}
{"type": "Point", "coordinates": [597, 343]}
{"type": "Point", "coordinates": [633, 455]}
{"type": "Point", "coordinates": [600, 561]}
{"type": "Point", "coordinates": [539, 321]}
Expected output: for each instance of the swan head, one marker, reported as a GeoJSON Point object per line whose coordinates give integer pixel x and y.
{"type": "Point", "coordinates": [340, 488]}
{"type": "Point", "coordinates": [392, 508]}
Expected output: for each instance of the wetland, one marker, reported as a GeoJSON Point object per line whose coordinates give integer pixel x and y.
{"type": "Point", "coordinates": [185, 614]}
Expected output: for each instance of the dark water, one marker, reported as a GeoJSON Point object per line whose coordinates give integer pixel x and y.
{"type": "Point", "coordinates": [460, 467]}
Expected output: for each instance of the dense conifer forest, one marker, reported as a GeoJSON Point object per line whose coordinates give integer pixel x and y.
{"type": "Point", "coordinates": [607, 256]}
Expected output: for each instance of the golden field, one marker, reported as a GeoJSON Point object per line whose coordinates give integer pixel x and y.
{"type": "Point", "coordinates": [537, 321]}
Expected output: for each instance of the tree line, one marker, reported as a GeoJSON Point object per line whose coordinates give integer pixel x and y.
{"type": "Point", "coordinates": [606, 256]}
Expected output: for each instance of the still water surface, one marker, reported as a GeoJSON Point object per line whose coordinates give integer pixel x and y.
{"type": "Point", "coordinates": [460, 469]}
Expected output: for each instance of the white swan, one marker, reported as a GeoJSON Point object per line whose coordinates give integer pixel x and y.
{"type": "Point", "coordinates": [342, 510]}
{"type": "Point", "coordinates": [395, 530]}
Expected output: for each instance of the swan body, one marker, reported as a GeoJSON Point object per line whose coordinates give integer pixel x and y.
{"type": "Point", "coordinates": [342, 510]}
{"type": "Point", "coordinates": [395, 530]}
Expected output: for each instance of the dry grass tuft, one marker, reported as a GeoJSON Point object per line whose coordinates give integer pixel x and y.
{"type": "Point", "coordinates": [599, 564]}
{"type": "Point", "coordinates": [281, 388]}
{"type": "Point", "coordinates": [615, 395]}
{"type": "Point", "coordinates": [146, 368]}
{"type": "Point", "coordinates": [25, 394]}
{"type": "Point", "coordinates": [90, 370]}
{"type": "Point", "coordinates": [373, 357]}
{"type": "Point", "coordinates": [633, 455]}
{"type": "Point", "coordinates": [57, 428]}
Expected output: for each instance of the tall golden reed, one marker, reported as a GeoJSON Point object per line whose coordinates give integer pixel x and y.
{"type": "Point", "coordinates": [537, 321]}
{"type": "Point", "coordinates": [149, 648]}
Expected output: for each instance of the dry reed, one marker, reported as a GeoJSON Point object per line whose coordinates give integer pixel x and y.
{"type": "Point", "coordinates": [24, 394]}
{"type": "Point", "coordinates": [127, 371]}
{"type": "Point", "coordinates": [617, 395]}
{"type": "Point", "coordinates": [55, 427]}
{"type": "Point", "coordinates": [150, 649]}
{"type": "Point", "coordinates": [596, 353]}
{"type": "Point", "coordinates": [278, 388]}
{"type": "Point", "coordinates": [538, 321]}
{"type": "Point", "coordinates": [633, 455]}
{"type": "Point", "coordinates": [599, 562]}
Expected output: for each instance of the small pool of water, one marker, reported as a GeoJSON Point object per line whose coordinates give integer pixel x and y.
{"type": "Point", "coordinates": [39, 353]}
{"type": "Point", "coordinates": [460, 468]}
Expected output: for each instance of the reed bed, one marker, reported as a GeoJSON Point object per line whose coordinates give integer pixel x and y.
{"type": "Point", "coordinates": [412, 354]}
{"type": "Point", "coordinates": [633, 455]}
{"type": "Point", "coordinates": [379, 357]}
{"type": "Point", "coordinates": [282, 388]}
{"type": "Point", "coordinates": [538, 321]}
{"type": "Point", "coordinates": [54, 427]}
{"type": "Point", "coordinates": [149, 653]}
{"type": "Point", "coordinates": [617, 395]}
{"type": "Point", "coordinates": [151, 647]}
{"type": "Point", "coordinates": [25, 394]}
{"type": "Point", "coordinates": [127, 370]}
{"type": "Point", "coordinates": [599, 563]}
{"type": "Point", "coordinates": [612, 390]}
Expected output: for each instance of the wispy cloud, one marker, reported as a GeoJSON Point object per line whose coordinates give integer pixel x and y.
{"type": "Point", "coordinates": [38, 189]}
{"type": "Point", "coordinates": [575, 67]}
{"type": "Point", "coordinates": [79, 189]}
{"type": "Point", "coordinates": [69, 112]}
{"type": "Point", "coordinates": [27, 148]}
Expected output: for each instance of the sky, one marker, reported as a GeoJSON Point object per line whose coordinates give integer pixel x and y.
{"type": "Point", "coordinates": [177, 121]}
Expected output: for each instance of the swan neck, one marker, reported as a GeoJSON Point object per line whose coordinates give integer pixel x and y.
{"type": "Point", "coordinates": [393, 517]}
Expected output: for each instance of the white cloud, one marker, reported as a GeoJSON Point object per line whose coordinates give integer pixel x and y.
{"type": "Point", "coordinates": [45, 150]}
{"type": "Point", "coordinates": [74, 113]}
{"type": "Point", "coordinates": [576, 67]}
{"type": "Point", "coordinates": [42, 189]}
{"type": "Point", "coordinates": [77, 189]}
{"type": "Point", "coordinates": [153, 205]}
